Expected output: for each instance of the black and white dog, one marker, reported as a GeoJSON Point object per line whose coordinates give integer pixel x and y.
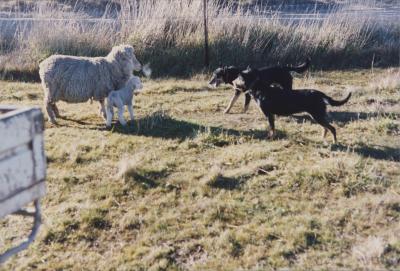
{"type": "Point", "coordinates": [276, 101]}
{"type": "Point", "coordinates": [270, 75]}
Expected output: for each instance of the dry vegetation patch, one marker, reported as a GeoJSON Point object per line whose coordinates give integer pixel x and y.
{"type": "Point", "coordinates": [170, 35]}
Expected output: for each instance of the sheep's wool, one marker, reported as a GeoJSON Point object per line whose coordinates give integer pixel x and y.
{"type": "Point", "coordinates": [77, 79]}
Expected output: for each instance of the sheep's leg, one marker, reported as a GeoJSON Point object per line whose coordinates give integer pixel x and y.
{"type": "Point", "coordinates": [110, 115]}
{"type": "Point", "coordinates": [103, 109]}
{"type": "Point", "coordinates": [121, 115]}
{"type": "Point", "coordinates": [50, 113]}
{"type": "Point", "coordinates": [130, 109]}
{"type": "Point", "coordinates": [55, 110]}
{"type": "Point", "coordinates": [100, 111]}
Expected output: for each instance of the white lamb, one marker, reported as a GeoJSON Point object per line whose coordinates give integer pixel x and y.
{"type": "Point", "coordinates": [120, 98]}
{"type": "Point", "coordinates": [77, 79]}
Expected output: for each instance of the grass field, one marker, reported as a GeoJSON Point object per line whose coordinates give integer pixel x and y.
{"type": "Point", "coordinates": [185, 187]}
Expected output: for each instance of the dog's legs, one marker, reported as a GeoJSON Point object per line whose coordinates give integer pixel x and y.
{"type": "Point", "coordinates": [324, 133]}
{"type": "Point", "coordinates": [324, 123]}
{"type": "Point", "coordinates": [271, 120]}
{"type": "Point", "coordinates": [233, 100]}
{"type": "Point", "coordinates": [121, 115]}
{"type": "Point", "coordinates": [130, 109]}
{"type": "Point", "coordinates": [102, 111]}
{"type": "Point", "coordinates": [50, 113]}
{"type": "Point", "coordinates": [247, 99]}
{"type": "Point", "coordinates": [289, 85]}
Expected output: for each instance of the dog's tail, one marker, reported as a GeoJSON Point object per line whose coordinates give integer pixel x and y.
{"type": "Point", "coordinates": [332, 102]}
{"type": "Point", "coordinates": [301, 68]}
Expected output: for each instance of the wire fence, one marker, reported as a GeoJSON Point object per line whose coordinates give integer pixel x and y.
{"type": "Point", "coordinates": [386, 13]}
{"type": "Point", "coordinates": [234, 36]}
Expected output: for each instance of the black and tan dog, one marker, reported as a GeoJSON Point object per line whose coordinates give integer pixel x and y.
{"type": "Point", "coordinates": [276, 101]}
{"type": "Point", "coordinates": [269, 75]}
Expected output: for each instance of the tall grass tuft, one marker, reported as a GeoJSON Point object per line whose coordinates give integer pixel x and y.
{"type": "Point", "coordinates": [170, 35]}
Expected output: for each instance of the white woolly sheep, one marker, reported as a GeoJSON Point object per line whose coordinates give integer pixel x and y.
{"type": "Point", "coordinates": [121, 97]}
{"type": "Point", "coordinates": [77, 79]}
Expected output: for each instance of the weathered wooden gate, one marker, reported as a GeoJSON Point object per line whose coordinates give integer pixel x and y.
{"type": "Point", "coordinates": [22, 166]}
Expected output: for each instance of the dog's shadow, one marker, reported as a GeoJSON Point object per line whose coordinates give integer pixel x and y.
{"type": "Point", "coordinates": [345, 116]}
{"type": "Point", "coordinates": [371, 151]}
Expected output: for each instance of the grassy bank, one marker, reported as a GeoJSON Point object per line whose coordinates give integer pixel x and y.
{"type": "Point", "coordinates": [186, 187]}
{"type": "Point", "coordinates": [169, 35]}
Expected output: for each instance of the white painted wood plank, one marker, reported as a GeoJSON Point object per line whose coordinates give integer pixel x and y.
{"type": "Point", "coordinates": [6, 108]}
{"type": "Point", "coordinates": [22, 158]}
{"type": "Point", "coordinates": [16, 173]}
{"type": "Point", "coordinates": [15, 131]}
{"type": "Point", "coordinates": [39, 157]}
{"type": "Point", "coordinates": [10, 110]}
{"type": "Point", "coordinates": [25, 197]}
{"type": "Point", "coordinates": [18, 127]}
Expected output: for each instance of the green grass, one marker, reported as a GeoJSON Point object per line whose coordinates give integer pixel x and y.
{"type": "Point", "coordinates": [185, 187]}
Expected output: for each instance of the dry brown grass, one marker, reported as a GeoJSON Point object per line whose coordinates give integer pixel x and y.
{"type": "Point", "coordinates": [185, 191]}
{"type": "Point", "coordinates": [169, 35]}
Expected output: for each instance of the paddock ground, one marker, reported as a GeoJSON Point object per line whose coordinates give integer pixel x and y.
{"type": "Point", "coordinates": [187, 187]}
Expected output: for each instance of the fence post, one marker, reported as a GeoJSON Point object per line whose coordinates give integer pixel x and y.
{"type": "Point", "coordinates": [206, 55]}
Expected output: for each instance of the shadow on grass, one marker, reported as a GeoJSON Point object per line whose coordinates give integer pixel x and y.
{"type": "Point", "coordinates": [229, 183]}
{"type": "Point", "coordinates": [162, 126]}
{"type": "Point", "coordinates": [20, 75]}
{"type": "Point", "coordinates": [148, 178]}
{"type": "Point", "coordinates": [344, 117]}
{"type": "Point", "coordinates": [226, 183]}
{"type": "Point", "coordinates": [352, 116]}
{"type": "Point", "coordinates": [373, 151]}
{"type": "Point", "coordinates": [80, 122]}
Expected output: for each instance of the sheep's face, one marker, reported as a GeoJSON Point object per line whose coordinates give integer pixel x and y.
{"type": "Point", "coordinates": [125, 56]}
{"type": "Point", "coordinates": [131, 55]}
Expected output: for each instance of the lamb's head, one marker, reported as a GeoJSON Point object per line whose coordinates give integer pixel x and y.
{"type": "Point", "coordinates": [134, 83]}
{"type": "Point", "coordinates": [124, 55]}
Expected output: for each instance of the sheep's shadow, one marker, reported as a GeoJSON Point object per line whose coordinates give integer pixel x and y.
{"type": "Point", "coordinates": [77, 121]}
{"type": "Point", "coordinates": [345, 116]}
{"type": "Point", "coordinates": [169, 128]}
{"type": "Point", "coordinates": [371, 151]}
{"type": "Point", "coordinates": [163, 126]}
